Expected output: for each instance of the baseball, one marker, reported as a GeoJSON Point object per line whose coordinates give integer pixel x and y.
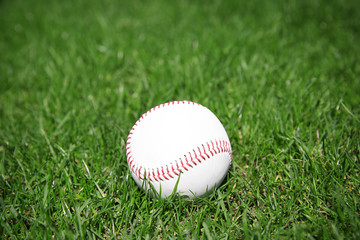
{"type": "Point", "coordinates": [180, 147]}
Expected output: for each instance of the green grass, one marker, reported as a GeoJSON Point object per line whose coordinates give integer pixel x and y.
{"type": "Point", "coordinates": [283, 77]}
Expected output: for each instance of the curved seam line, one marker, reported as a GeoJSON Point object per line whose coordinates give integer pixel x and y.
{"type": "Point", "coordinates": [159, 173]}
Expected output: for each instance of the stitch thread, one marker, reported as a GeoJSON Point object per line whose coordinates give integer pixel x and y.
{"type": "Point", "coordinates": [164, 173]}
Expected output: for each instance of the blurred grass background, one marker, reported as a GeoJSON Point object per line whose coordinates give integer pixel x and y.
{"type": "Point", "coordinates": [282, 76]}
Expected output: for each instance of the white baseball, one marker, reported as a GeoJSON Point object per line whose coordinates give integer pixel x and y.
{"type": "Point", "coordinates": [179, 144]}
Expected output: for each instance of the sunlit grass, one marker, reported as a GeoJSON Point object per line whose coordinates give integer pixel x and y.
{"type": "Point", "coordinates": [282, 78]}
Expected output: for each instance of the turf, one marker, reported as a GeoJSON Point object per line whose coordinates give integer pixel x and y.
{"type": "Point", "coordinates": [282, 76]}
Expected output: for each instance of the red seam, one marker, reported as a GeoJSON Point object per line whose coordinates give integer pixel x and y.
{"type": "Point", "coordinates": [212, 154]}
{"type": "Point", "coordinates": [173, 170]}
{"type": "Point", "coordinates": [202, 156]}
{"type": "Point", "coordinates": [207, 155]}
{"type": "Point", "coordinates": [161, 175]}
{"type": "Point", "coordinates": [213, 147]}
{"type": "Point", "coordinates": [217, 146]}
{"type": "Point", "coordinates": [176, 169]}
{"type": "Point", "coordinates": [153, 172]}
{"type": "Point", "coordinates": [197, 157]}
{"type": "Point", "coordinates": [191, 159]}
{"type": "Point", "coordinates": [187, 161]}
{"type": "Point", "coordinates": [168, 172]}
{"type": "Point", "coordinates": [139, 172]}
{"type": "Point", "coordinates": [182, 165]}
{"type": "Point", "coordinates": [158, 174]}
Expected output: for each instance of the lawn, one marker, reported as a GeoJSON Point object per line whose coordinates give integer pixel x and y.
{"type": "Point", "coordinates": [282, 76]}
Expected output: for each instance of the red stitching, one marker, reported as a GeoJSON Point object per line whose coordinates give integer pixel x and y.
{"type": "Point", "coordinates": [177, 167]}
{"type": "Point", "coordinates": [164, 173]}
{"type": "Point", "coordinates": [182, 165]}
{"type": "Point", "coordinates": [187, 162]}
{"type": "Point", "coordinates": [154, 176]}
{"type": "Point", "coordinates": [212, 154]}
{"type": "Point", "coordinates": [168, 172]}
{"type": "Point", "coordinates": [207, 155]}
{"type": "Point", "coordinates": [173, 170]}
{"type": "Point", "coordinates": [197, 157]}
{"type": "Point", "coordinates": [201, 155]}
{"type": "Point", "coordinates": [158, 174]}
{"type": "Point", "coordinates": [217, 146]}
{"type": "Point", "coordinates": [192, 160]}
{"type": "Point", "coordinates": [213, 147]}
{"type": "Point", "coordinates": [139, 172]}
